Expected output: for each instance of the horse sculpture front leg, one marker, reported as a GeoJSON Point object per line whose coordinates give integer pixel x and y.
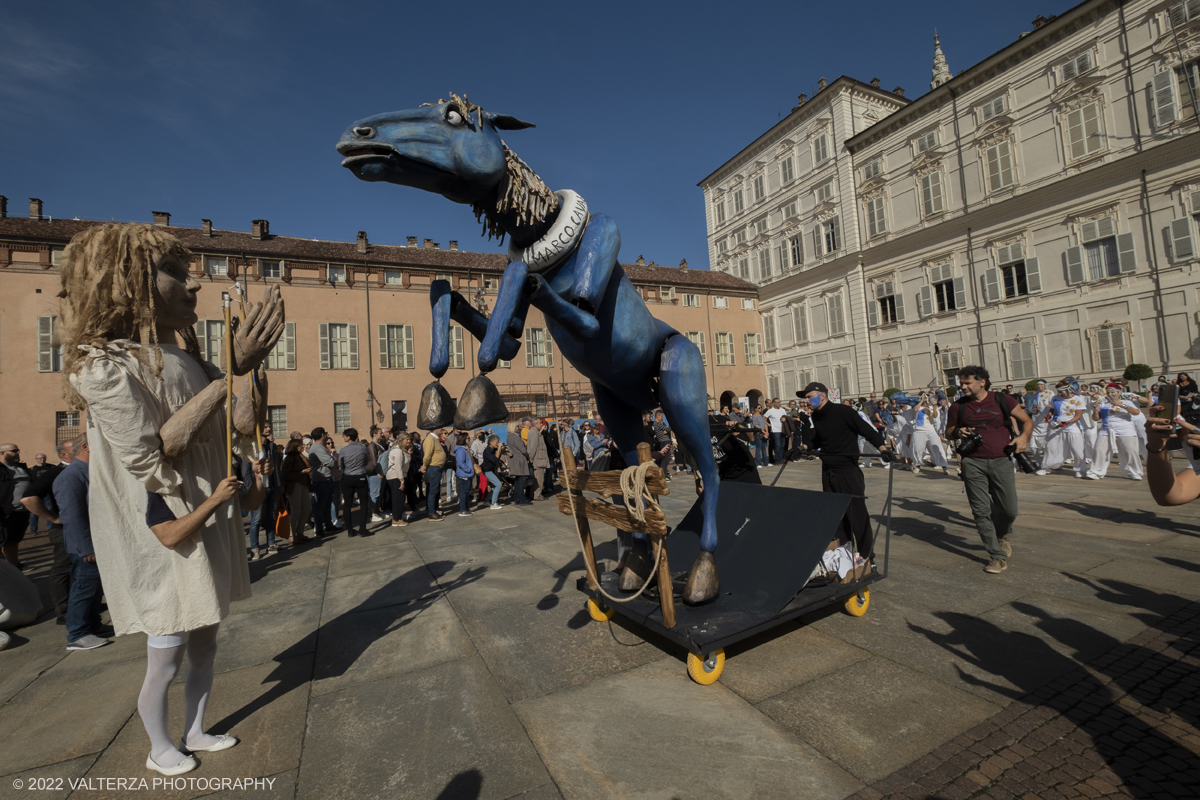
{"type": "Point", "coordinates": [480, 402]}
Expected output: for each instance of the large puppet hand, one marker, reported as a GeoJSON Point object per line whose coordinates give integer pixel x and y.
{"type": "Point", "coordinates": [255, 337]}
{"type": "Point", "coordinates": [251, 402]}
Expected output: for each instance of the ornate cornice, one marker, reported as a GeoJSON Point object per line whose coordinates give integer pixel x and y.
{"type": "Point", "coordinates": [929, 161]}
{"type": "Point", "coordinates": [1075, 93]}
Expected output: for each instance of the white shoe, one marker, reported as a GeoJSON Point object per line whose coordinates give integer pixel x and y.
{"type": "Point", "coordinates": [224, 742]}
{"type": "Point", "coordinates": [916, 470]}
{"type": "Point", "coordinates": [377, 518]}
{"type": "Point", "coordinates": [1040, 472]}
{"type": "Point", "coordinates": [188, 764]}
{"type": "Point", "coordinates": [495, 507]}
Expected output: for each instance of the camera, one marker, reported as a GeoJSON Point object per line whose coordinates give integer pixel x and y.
{"type": "Point", "coordinates": [968, 443]}
{"type": "Point", "coordinates": [1024, 460]}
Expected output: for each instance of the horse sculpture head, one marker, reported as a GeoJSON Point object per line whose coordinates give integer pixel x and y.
{"type": "Point", "coordinates": [452, 148]}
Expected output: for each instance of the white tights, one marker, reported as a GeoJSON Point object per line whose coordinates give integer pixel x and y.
{"type": "Point", "coordinates": [164, 656]}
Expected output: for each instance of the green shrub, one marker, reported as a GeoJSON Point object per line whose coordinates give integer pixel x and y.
{"type": "Point", "coordinates": [889, 392]}
{"type": "Point", "coordinates": [1138, 372]}
{"type": "Point", "coordinates": [1031, 386]}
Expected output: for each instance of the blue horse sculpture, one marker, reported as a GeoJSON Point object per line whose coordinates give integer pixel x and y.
{"type": "Point", "coordinates": [562, 261]}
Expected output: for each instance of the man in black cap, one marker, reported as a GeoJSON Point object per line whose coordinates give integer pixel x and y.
{"type": "Point", "coordinates": [835, 431]}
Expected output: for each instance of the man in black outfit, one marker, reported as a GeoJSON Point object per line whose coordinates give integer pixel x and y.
{"type": "Point", "coordinates": [835, 431]}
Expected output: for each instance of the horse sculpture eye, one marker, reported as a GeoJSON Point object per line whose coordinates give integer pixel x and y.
{"type": "Point", "coordinates": [454, 118]}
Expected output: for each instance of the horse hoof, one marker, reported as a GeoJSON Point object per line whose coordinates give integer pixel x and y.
{"type": "Point", "coordinates": [437, 408]}
{"type": "Point", "coordinates": [480, 404]}
{"type": "Point", "coordinates": [638, 566]}
{"type": "Point", "coordinates": [702, 583]}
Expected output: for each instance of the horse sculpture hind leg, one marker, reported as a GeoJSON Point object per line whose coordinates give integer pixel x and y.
{"type": "Point", "coordinates": [684, 398]}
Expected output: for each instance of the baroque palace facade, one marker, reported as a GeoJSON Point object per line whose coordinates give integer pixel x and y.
{"type": "Point", "coordinates": [356, 348]}
{"type": "Point", "coordinates": [1035, 213]}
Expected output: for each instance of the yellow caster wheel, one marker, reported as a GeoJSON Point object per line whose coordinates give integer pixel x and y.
{"type": "Point", "coordinates": [706, 669]}
{"type": "Point", "coordinates": [855, 606]}
{"type": "Point", "coordinates": [599, 613]}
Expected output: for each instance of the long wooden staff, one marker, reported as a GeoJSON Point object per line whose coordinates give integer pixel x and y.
{"type": "Point", "coordinates": [253, 375]}
{"type": "Point", "coordinates": [225, 299]}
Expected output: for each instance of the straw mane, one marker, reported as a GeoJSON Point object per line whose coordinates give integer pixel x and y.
{"type": "Point", "coordinates": [521, 189]}
{"type": "Point", "coordinates": [108, 292]}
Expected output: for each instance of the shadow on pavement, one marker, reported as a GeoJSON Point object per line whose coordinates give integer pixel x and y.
{"type": "Point", "coordinates": [1095, 699]}
{"type": "Point", "coordinates": [1133, 516]}
{"type": "Point", "coordinates": [466, 785]}
{"type": "Point", "coordinates": [353, 632]}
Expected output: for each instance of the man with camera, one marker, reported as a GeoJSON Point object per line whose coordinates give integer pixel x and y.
{"type": "Point", "coordinates": [980, 425]}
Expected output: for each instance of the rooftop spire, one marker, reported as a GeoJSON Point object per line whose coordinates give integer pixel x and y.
{"type": "Point", "coordinates": [941, 72]}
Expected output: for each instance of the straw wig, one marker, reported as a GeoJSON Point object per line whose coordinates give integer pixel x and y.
{"type": "Point", "coordinates": [108, 291]}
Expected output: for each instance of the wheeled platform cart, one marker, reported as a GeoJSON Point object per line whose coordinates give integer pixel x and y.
{"type": "Point", "coordinates": [770, 540]}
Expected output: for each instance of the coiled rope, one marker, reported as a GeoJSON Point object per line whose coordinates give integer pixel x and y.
{"type": "Point", "coordinates": [637, 499]}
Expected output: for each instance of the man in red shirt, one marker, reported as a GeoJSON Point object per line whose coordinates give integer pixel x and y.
{"type": "Point", "coordinates": [987, 471]}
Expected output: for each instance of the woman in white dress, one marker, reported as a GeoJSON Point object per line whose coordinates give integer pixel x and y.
{"type": "Point", "coordinates": [156, 426]}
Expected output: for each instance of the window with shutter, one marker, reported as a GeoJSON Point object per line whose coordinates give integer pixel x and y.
{"type": "Point", "coordinates": [872, 169]}
{"type": "Point", "coordinates": [341, 346]}
{"type": "Point", "coordinates": [796, 244]}
{"type": "Point", "coordinates": [944, 295]}
{"type": "Point", "coordinates": [841, 378]}
{"type": "Point", "coordinates": [820, 149]}
{"type": "Point", "coordinates": [893, 372]}
{"type": "Point", "coordinates": [396, 347]}
{"type": "Point", "coordinates": [786, 170]}
{"type": "Point", "coordinates": [1022, 364]}
{"type": "Point", "coordinates": [760, 187]}
{"type": "Point", "coordinates": [1083, 131]}
{"type": "Point", "coordinates": [1181, 240]}
{"type": "Point", "coordinates": [697, 338]}
{"type": "Point", "coordinates": [800, 322]}
{"type": "Point", "coordinates": [927, 142]}
{"type": "Point", "coordinates": [212, 341]}
{"type": "Point", "coordinates": [837, 320]}
{"type": "Point", "coordinates": [1077, 66]}
{"type": "Point", "coordinates": [739, 203]}
{"type": "Point", "coordinates": [1111, 349]}
{"type": "Point", "coordinates": [283, 354]}
{"type": "Point", "coordinates": [773, 385]}
{"type": "Point", "coordinates": [1018, 276]}
{"type": "Point", "coordinates": [719, 206]}
{"type": "Point", "coordinates": [993, 108]}
{"type": "Point", "coordinates": [270, 269]}
{"type": "Point", "coordinates": [724, 349]}
{"type": "Point", "coordinates": [747, 304]}
{"type": "Point", "coordinates": [885, 301]}
{"type": "Point", "coordinates": [341, 417]}
{"type": "Point", "coordinates": [323, 344]}
{"type": "Point", "coordinates": [1100, 249]}
{"type": "Point", "coordinates": [752, 342]}
{"type": "Point", "coordinates": [991, 285]}
{"type": "Point", "coordinates": [764, 264]}
{"type": "Point", "coordinates": [876, 222]}
{"type": "Point", "coordinates": [1162, 96]}
{"type": "Point", "coordinates": [720, 301]}
{"type": "Point", "coordinates": [457, 357]}
{"type": "Point", "coordinates": [999, 166]}
{"type": "Point", "coordinates": [824, 192]}
{"type": "Point", "coordinates": [216, 265]}
{"type": "Point", "coordinates": [830, 229]}
{"type": "Point", "coordinates": [49, 356]}
{"type": "Point", "coordinates": [769, 331]}
{"type": "Point", "coordinates": [744, 268]}
{"type": "Point", "coordinates": [931, 193]}
{"type": "Point", "coordinates": [277, 416]}
{"type": "Point", "coordinates": [691, 300]}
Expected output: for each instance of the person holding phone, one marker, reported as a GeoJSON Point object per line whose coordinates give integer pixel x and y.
{"type": "Point", "coordinates": [1167, 487]}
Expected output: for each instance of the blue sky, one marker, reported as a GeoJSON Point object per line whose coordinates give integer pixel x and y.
{"type": "Point", "coordinates": [230, 110]}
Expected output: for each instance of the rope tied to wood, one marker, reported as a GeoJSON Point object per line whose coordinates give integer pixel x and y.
{"type": "Point", "coordinates": [637, 499]}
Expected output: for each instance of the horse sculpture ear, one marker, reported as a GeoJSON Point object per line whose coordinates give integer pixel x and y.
{"type": "Point", "coordinates": [504, 122]}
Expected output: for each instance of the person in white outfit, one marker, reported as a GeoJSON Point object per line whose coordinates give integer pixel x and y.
{"type": "Point", "coordinates": [1117, 418]}
{"type": "Point", "coordinates": [1093, 395]}
{"type": "Point", "coordinates": [1066, 437]}
{"type": "Point", "coordinates": [923, 435]}
{"type": "Point", "coordinates": [1041, 410]}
